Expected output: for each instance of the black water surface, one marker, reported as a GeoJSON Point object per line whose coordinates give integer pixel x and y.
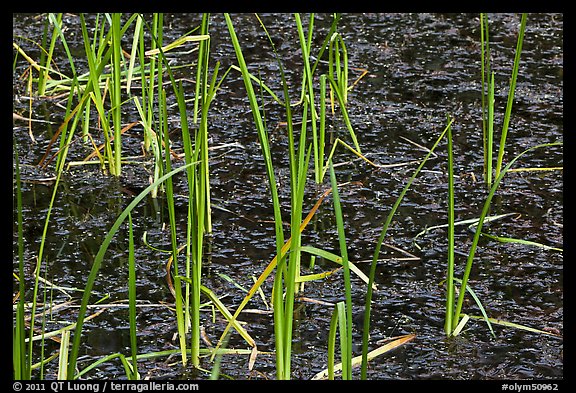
{"type": "Point", "coordinates": [421, 68]}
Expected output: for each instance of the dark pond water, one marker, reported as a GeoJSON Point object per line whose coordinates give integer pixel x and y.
{"type": "Point", "coordinates": [421, 67]}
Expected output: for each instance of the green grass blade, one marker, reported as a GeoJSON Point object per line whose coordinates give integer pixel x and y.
{"type": "Point", "coordinates": [347, 121]}
{"type": "Point", "coordinates": [96, 67]}
{"type": "Point", "coordinates": [180, 301]}
{"type": "Point", "coordinates": [21, 363]}
{"type": "Point", "coordinates": [450, 268]}
{"type": "Point", "coordinates": [347, 349]}
{"type": "Point", "coordinates": [136, 39]}
{"type": "Point", "coordinates": [332, 343]}
{"type": "Point", "coordinates": [471, 222]}
{"type": "Point", "coordinates": [59, 171]}
{"type": "Point", "coordinates": [279, 310]}
{"type": "Point", "coordinates": [345, 340]}
{"type": "Point", "coordinates": [511, 95]}
{"type": "Point", "coordinates": [308, 77]}
{"type": "Point", "coordinates": [336, 259]}
{"type": "Point", "coordinates": [490, 133]}
{"type": "Point", "coordinates": [480, 306]}
{"type": "Point", "coordinates": [261, 84]}
{"type": "Point", "coordinates": [504, 239]}
{"type": "Point", "coordinates": [322, 129]}
{"type": "Point", "coordinates": [45, 60]}
{"type": "Point", "coordinates": [485, 71]}
{"type": "Point", "coordinates": [515, 325]}
{"type": "Point", "coordinates": [132, 299]}
{"type": "Point", "coordinates": [229, 317]}
{"type": "Point", "coordinates": [115, 96]}
{"type": "Point", "coordinates": [262, 133]}
{"type": "Point", "coordinates": [56, 22]}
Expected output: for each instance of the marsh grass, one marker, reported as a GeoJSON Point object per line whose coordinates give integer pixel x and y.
{"type": "Point", "coordinates": [345, 321]}
{"type": "Point", "coordinates": [287, 267]}
{"type": "Point", "coordinates": [198, 221]}
{"type": "Point", "coordinates": [457, 314]}
{"type": "Point", "coordinates": [104, 92]}
{"type": "Point", "coordinates": [97, 263]}
{"type": "Point", "coordinates": [24, 359]}
{"type": "Point", "coordinates": [455, 319]}
{"type": "Point", "coordinates": [196, 155]}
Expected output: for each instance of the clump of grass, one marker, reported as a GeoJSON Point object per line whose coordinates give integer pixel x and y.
{"type": "Point", "coordinates": [287, 267]}
{"type": "Point", "coordinates": [198, 222]}
{"type": "Point", "coordinates": [456, 312]}
{"type": "Point", "coordinates": [155, 116]}
{"type": "Point", "coordinates": [455, 319]}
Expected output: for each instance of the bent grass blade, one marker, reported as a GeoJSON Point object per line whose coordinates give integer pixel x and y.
{"type": "Point", "coordinates": [471, 222]}
{"type": "Point", "coordinates": [501, 322]}
{"type": "Point", "coordinates": [504, 239]}
{"type": "Point", "coordinates": [394, 343]}
{"type": "Point", "coordinates": [336, 259]}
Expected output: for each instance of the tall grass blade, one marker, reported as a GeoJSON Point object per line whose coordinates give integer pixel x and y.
{"type": "Point", "coordinates": [308, 86]}
{"type": "Point", "coordinates": [198, 187]}
{"type": "Point", "coordinates": [132, 300]}
{"type": "Point", "coordinates": [279, 310]}
{"type": "Point", "coordinates": [450, 293]}
{"type": "Point", "coordinates": [485, 70]}
{"type": "Point", "coordinates": [368, 305]}
{"type": "Point", "coordinates": [322, 130]}
{"type": "Point", "coordinates": [262, 133]}
{"type": "Point", "coordinates": [339, 320]}
{"type": "Point", "coordinates": [490, 131]}
{"type": "Point", "coordinates": [65, 143]}
{"type": "Point", "coordinates": [46, 57]}
{"type": "Point", "coordinates": [57, 22]}
{"type": "Point", "coordinates": [332, 343]}
{"type": "Point", "coordinates": [20, 360]}
{"type": "Point", "coordinates": [96, 66]}
{"type": "Point", "coordinates": [511, 95]}
{"type": "Point", "coordinates": [180, 301]}
{"type": "Point", "coordinates": [346, 335]}
{"type": "Point", "coordinates": [341, 101]}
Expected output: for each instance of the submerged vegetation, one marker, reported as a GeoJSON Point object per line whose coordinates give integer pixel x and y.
{"type": "Point", "coordinates": [133, 83]}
